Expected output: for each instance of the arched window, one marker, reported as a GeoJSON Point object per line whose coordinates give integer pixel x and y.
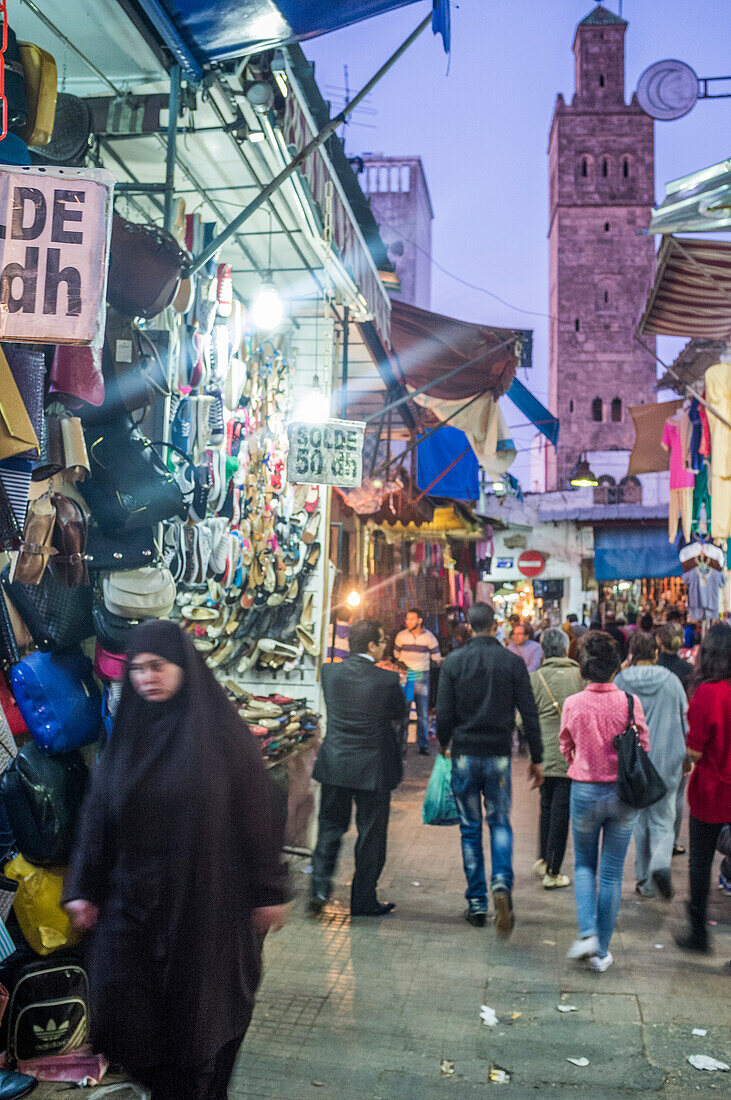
{"type": "Point", "coordinates": [601, 80]}
{"type": "Point", "coordinates": [625, 168]}
{"type": "Point", "coordinates": [597, 410]}
{"type": "Point", "coordinates": [577, 326]}
{"type": "Point", "coordinates": [606, 297]}
{"type": "Point", "coordinates": [405, 178]}
{"type": "Point", "coordinates": [571, 405]}
{"type": "Point", "coordinates": [617, 410]}
{"type": "Point", "coordinates": [584, 167]}
{"type": "Point", "coordinates": [372, 179]}
{"type": "Point", "coordinates": [605, 168]}
{"type": "Point", "coordinates": [383, 179]}
{"type": "Point", "coordinates": [394, 179]}
{"type": "Point", "coordinates": [607, 227]}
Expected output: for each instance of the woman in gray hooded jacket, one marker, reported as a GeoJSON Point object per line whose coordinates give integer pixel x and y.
{"type": "Point", "coordinates": [665, 706]}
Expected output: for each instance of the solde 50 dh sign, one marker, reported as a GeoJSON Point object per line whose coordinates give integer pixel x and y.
{"type": "Point", "coordinates": [326, 454]}
{"type": "Point", "coordinates": [55, 226]}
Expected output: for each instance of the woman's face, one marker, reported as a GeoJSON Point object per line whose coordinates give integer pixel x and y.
{"type": "Point", "coordinates": [154, 678]}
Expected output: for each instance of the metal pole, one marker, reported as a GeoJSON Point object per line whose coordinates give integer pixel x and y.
{"type": "Point", "coordinates": [344, 379]}
{"type": "Point", "coordinates": [170, 153]}
{"type": "Point", "coordinates": [687, 387]}
{"type": "Point", "coordinates": [315, 143]}
{"type": "Point", "coordinates": [436, 381]}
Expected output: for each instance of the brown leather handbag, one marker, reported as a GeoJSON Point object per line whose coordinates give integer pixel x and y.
{"type": "Point", "coordinates": [69, 540]}
{"type": "Point", "coordinates": [37, 546]}
{"type": "Point", "coordinates": [145, 266]}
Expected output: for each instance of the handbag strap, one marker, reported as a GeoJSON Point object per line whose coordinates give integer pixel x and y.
{"type": "Point", "coordinates": [552, 697]}
{"type": "Point", "coordinates": [631, 712]}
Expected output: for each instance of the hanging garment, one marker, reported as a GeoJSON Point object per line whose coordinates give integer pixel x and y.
{"type": "Point", "coordinates": [672, 440]}
{"type": "Point", "coordinates": [703, 587]}
{"type": "Point", "coordinates": [700, 439]}
{"type": "Point", "coordinates": [701, 500]}
{"type": "Point", "coordinates": [718, 396]}
{"type": "Point", "coordinates": [680, 507]}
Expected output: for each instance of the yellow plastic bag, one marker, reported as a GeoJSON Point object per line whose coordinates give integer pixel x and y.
{"type": "Point", "coordinates": [37, 906]}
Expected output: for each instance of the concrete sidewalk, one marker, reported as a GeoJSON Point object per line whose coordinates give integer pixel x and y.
{"type": "Point", "coordinates": [372, 1008]}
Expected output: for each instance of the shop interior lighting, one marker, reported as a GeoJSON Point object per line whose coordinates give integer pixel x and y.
{"type": "Point", "coordinates": [267, 310]}
{"type": "Point", "coordinates": [260, 95]}
{"type": "Point", "coordinates": [353, 599]}
{"type": "Point", "coordinates": [498, 487]}
{"type": "Point", "coordinates": [256, 136]}
{"type": "Point", "coordinates": [314, 406]}
{"type": "Point", "coordinates": [582, 476]}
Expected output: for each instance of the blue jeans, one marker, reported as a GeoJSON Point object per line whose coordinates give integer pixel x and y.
{"type": "Point", "coordinates": [421, 699]}
{"type": "Point", "coordinates": [486, 777]}
{"type": "Point", "coordinates": [595, 810]}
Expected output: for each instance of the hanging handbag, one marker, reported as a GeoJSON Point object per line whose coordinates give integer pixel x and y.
{"type": "Point", "coordinates": [145, 266]}
{"type": "Point", "coordinates": [56, 616]}
{"type": "Point", "coordinates": [129, 551]}
{"type": "Point", "coordinates": [112, 630]}
{"type": "Point", "coordinates": [48, 1013]}
{"type": "Point", "coordinates": [28, 368]}
{"type": "Point", "coordinates": [17, 434]}
{"type": "Point", "coordinates": [136, 376]}
{"type": "Point", "coordinates": [9, 652]}
{"type": "Point", "coordinates": [37, 546]}
{"type": "Point", "coordinates": [74, 373]}
{"type": "Point", "coordinates": [11, 535]}
{"type": "Point", "coordinates": [109, 666]}
{"type": "Point", "coordinates": [130, 486]}
{"type": "Point", "coordinates": [42, 797]}
{"type": "Point", "coordinates": [147, 593]}
{"type": "Point", "coordinates": [639, 783]}
{"type": "Point", "coordinates": [10, 710]}
{"type": "Point", "coordinates": [16, 475]}
{"type": "Point", "coordinates": [69, 541]}
{"type": "Point", "coordinates": [58, 698]}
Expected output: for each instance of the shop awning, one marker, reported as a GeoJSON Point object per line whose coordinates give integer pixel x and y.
{"type": "Point", "coordinates": [692, 291]}
{"type": "Point", "coordinates": [443, 467]}
{"type": "Point", "coordinates": [201, 32]}
{"type": "Point", "coordinates": [697, 203]}
{"type": "Point", "coordinates": [537, 413]}
{"type": "Point", "coordinates": [430, 346]}
{"type": "Point", "coordinates": [629, 553]}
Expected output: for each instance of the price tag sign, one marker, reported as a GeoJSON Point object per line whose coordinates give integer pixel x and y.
{"type": "Point", "coordinates": [326, 454]}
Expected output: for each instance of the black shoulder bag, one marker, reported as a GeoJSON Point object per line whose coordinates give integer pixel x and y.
{"type": "Point", "coordinates": [639, 783]}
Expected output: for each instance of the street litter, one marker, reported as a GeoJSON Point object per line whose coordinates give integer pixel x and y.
{"type": "Point", "coordinates": [699, 1031]}
{"type": "Point", "coordinates": [516, 1015]}
{"type": "Point", "coordinates": [446, 1068]}
{"type": "Point", "coordinates": [549, 943]}
{"type": "Point", "coordinates": [498, 1076]}
{"type": "Point", "coordinates": [659, 946]}
{"type": "Point", "coordinates": [307, 870]}
{"type": "Point", "coordinates": [566, 1008]}
{"type": "Point", "coordinates": [703, 1061]}
{"type": "Point", "coordinates": [578, 1061]}
{"type": "Point", "coordinates": [416, 884]}
{"type": "Point", "coordinates": [488, 1016]}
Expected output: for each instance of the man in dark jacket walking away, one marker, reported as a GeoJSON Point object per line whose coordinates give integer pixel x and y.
{"type": "Point", "coordinates": [359, 761]}
{"type": "Point", "coordinates": [480, 687]}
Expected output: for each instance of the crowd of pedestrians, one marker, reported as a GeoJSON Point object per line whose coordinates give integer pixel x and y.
{"type": "Point", "coordinates": [568, 693]}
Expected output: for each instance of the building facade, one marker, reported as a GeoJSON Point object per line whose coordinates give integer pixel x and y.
{"type": "Point", "coordinates": [601, 190]}
{"type": "Point", "coordinates": [399, 196]}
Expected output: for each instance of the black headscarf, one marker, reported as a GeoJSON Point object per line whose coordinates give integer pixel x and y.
{"type": "Point", "coordinates": [180, 839]}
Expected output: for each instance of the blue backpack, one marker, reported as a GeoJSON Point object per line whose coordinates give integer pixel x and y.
{"type": "Point", "coordinates": [58, 699]}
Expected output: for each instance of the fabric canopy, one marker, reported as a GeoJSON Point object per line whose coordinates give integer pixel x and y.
{"type": "Point", "coordinates": [648, 455]}
{"type": "Point", "coordinates": [692, 291]}
{"type": "Point", "coordinates": [429, 346]}
{"type": "Point", "coordinates": [436, 453]}
{"type": "Point", "coordinates": [629, 553]}
{"type": "Point", "coordinates": [200, 32]}
{"type": "Point", "coordinates": [537, 413]}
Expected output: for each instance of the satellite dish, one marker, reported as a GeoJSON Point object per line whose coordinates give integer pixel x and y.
{"type": "Point", "coordinates": [667, 90]}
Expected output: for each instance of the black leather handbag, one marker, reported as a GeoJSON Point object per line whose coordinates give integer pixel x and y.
{"type": "Point", "coordinates": [56, 616]}
{"type": "Point", "coordinates": [42, 796]}
{"type": "Point", "coordinates": [111, 630]}
{"type": "Point", "coordinates": [639, 784]}
{"type": "Point", "coordinates": [130, 486]}
{"type": "Point", "coordinates": [130, 551]}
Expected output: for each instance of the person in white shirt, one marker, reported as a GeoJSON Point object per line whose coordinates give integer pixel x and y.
{"type": "Point", "coordinates": [415, 648]}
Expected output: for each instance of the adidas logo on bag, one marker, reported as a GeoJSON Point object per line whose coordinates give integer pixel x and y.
{"type": "Point", "coordinates": [51, 1033]}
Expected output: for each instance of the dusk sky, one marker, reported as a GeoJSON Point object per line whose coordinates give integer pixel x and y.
{"type": "Point", "coordinates": [480, 122]}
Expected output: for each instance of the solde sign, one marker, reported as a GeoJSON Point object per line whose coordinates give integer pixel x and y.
{"type": "Point", "coordinates": [326, 454]}
{"type": "Point", "coordinates": [55, 226]}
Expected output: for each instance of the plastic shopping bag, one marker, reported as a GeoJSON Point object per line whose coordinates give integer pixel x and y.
{"type": "Point", "coordinates": [439, 805]}
{"type": "Point", "coordinates": [43, 921]}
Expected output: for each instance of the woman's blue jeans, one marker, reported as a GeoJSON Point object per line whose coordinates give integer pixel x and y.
{"type": "Point", "coordinates": [475, 778]}
{"type": "Point", "coordinates": [597, 811]}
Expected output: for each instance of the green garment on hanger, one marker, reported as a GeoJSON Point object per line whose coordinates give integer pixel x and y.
{"type": "Point", "coordinates": [701, 497]}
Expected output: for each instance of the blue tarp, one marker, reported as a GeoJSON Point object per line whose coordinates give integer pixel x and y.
{"type": "Point", "coordinates": [628, 553]}
{"type": "Point", "coordinates": [435, 454]}
{"type": "Point", "coordinates": [202, 31]}
{"type": "Point", "coordinates": [537, 413]}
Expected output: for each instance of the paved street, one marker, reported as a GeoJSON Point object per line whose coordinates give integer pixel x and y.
{"type": "Point", "coordinates": [370, 1009]}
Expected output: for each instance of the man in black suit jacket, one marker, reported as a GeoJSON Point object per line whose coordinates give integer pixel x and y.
{"type": "Point", "coordinates": [359, 761]}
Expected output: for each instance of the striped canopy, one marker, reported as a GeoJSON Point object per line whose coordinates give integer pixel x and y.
{"type": "Point", "coordinates": [692, 291]}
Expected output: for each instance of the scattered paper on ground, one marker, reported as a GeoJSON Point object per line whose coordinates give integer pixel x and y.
{"type": "Point", "coordinates": [498, 1076]}
{"type": "Point", "coordinates": [488, 1016]}
{"type": "Point", "coordinates": [446, 1068]}
{"type": "Point", "coordinates": [566, 1008]}
{"type": "Point", "coordinates": [578, 1061]}
{"type": "Point", "coordinates": [704, 1061]}
{"type": "Point", "coordinates": [699, 1031]}
{"type": "Point", "coordinates": [549, 943]}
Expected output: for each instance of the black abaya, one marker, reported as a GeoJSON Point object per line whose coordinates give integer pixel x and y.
{"type": "Point", "coordinates": [179, 841]}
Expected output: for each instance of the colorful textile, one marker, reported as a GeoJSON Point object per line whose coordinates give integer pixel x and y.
{"type": "Point", "coordinates": [589, 723]}
{"type": "Point", "coordinates": [436, 453]}
{"type": "Point", "coordinates": [672, 440]}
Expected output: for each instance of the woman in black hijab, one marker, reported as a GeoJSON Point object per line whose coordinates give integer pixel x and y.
{"type": "Point", "coordinates": [177, 870]}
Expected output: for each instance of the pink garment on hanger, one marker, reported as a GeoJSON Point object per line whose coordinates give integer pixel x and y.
{"type": "Point", "coordinates": [680, 477]}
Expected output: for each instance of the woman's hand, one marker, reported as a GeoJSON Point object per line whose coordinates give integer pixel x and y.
{"type": "Point", "coordinates": [270, 918]}
{"type": "Point", "coordinates": [82, 914]}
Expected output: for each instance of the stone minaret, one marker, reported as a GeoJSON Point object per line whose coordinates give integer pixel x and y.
{"type": "Point", "coordinates": [601, 155]}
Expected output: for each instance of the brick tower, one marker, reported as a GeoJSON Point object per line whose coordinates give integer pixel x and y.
{"type": "Point", "coordinates": [601, 177]}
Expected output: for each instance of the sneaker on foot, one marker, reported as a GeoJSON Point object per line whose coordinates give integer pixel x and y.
{"type": "Point", "coordinates": [504, 915]}
{"type": "Point", "coordinates": [540, 868]}
{"type": "Point", "coordinates": [663, 882]}
{"type": "Point", "coordinates": [555, 882]}
{"type": "Point", "coordinates": [476, 917]}
{"type": "Point", "coordinates": [583, 948]}
{"type": "Point", "coordinates": [601, 963]}
{"type": "Point", "coordinates": [317, 903]}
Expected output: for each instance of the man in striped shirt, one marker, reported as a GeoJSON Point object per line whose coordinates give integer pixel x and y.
{"type": "Point", "coordinates": [415, 648]}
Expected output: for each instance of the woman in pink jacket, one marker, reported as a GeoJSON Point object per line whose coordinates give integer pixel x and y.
{"type": "Point", "coordinates": [590, 721]}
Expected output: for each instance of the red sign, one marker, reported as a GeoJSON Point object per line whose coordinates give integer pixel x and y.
{"type": "Point", "coordinates": [531, 563]}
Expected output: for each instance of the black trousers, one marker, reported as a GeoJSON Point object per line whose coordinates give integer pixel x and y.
{"type": "Point", "coordinates": [703, 839]}
{"type": "Point", "coordinates": [371, 821]}
{"type": "Point", "coordinates": [206, 1082]}
{"type": "Point", "coordinates": [555, 798]}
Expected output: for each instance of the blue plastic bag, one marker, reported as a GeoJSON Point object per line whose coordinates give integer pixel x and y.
{"type": "Point", "coordinates": [439, 805]}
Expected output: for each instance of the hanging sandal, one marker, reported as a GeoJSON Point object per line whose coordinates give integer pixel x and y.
{"type": "Point", "coordinates": [311, 528]}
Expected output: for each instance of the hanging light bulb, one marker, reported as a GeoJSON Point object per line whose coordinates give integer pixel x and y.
{"type": "Point", "coordinates": [267, 310]}
{"type": "Point", "coordinates": [353, 599]}
{"type": "Point", "coordinates": [313, 407]}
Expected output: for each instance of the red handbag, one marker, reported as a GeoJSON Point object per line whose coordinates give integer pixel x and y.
{"type": "Point", "coordinates": [73, 372]}
{"type": "Point", "coordinates": [11, 711]}
{"type": "Point", "coordinates": [109, 666]}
